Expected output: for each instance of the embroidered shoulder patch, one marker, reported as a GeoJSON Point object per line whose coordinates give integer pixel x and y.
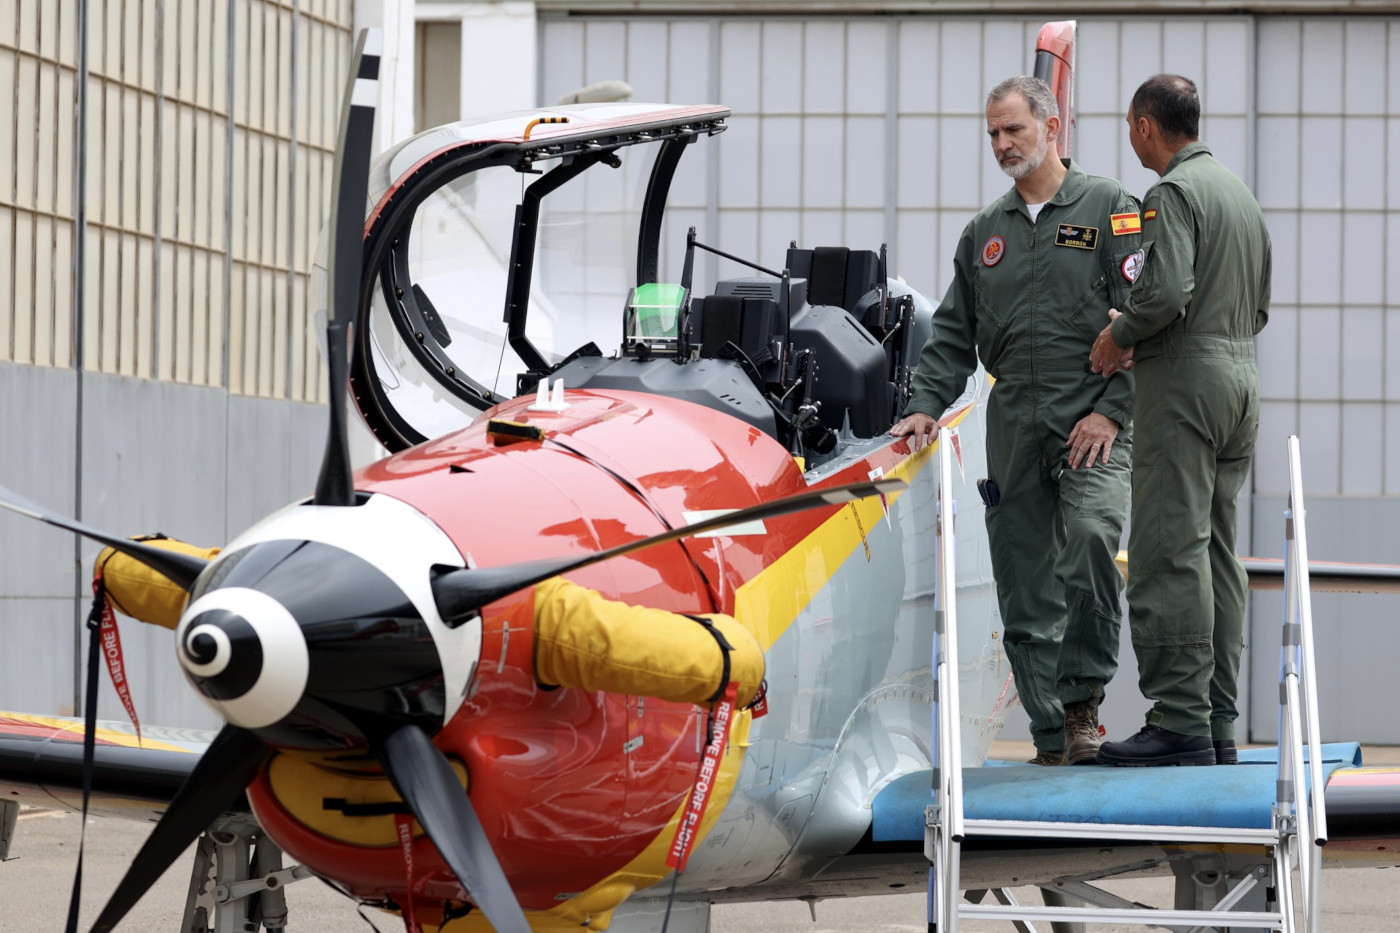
{"type": "Point", "coordinates": [1150, 214]}
{"type": "Point", "coordinates": [1076, 236]}
{"type": "Point", "coordinates": [1126, 223]}
{"type": "Point", "coordinates": [1132, 265]}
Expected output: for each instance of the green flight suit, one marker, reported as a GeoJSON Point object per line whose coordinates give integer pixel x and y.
{"type": "Point", "coordinates": [1029, 299]}
{"type": "Point", "coordinates": [1202, 296]}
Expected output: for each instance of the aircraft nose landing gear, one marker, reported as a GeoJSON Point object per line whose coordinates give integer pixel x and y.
{"type": "Point", "coordinates": [238, 874]}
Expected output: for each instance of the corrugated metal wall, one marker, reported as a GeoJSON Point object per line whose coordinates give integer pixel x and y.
{"type": "Point", "coordinates": [159, 377]}
{"type": "Point", "coordinates": [205, 143]}
{"type": "Point", "coordinates": [858, 130]}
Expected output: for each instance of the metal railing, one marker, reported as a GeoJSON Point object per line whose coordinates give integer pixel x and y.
{"type": "Point", "coordinates": [1299, 820]}
{"type": "Point", "coordinates": [1298, 719]}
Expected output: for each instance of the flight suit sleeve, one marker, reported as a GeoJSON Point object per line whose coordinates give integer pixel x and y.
{"type": "Point", "coordinates": [1117, 399]}
{"type": "Point", "coordinates": [949, 355]}
{"type": "Point", "coordinates": [1266, 290]}
{"type": "Point", "coordinates": [1168, 279]}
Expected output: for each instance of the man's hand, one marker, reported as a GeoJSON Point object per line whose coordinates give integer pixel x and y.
{"type": "Point", "coordinates": [923, 427]}
{"type": "Point", "coordinates": [1093, 438]}
{"type": "Point", "coordinates": [1107, 357]}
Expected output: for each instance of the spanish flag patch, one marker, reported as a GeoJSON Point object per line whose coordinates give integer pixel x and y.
{"type": "Point", "coordinates": [1125, 223]}
{"type": "Point", "coordinates": [1150, 214]}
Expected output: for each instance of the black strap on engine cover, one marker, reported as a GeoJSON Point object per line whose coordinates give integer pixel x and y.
{"type": "Point", "coordinates": [725, 649]}
{"type": "Point", "coordinates": [383, 808]}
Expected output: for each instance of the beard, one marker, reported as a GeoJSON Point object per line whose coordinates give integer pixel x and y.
{"type": "Point", "coordinates": [1028, 163]}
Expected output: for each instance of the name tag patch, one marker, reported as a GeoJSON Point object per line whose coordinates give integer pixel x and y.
{"type": "Point", "coordinates": [1076, 236]}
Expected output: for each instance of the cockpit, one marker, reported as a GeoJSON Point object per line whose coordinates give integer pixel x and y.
{"type": "Point", "coordinates": [522, 252]}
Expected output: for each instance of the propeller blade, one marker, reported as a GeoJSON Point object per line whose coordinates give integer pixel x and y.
{"type": "Point", "coordinates": [420, 773]}
{"type": "Point", "coordinates": [349, 188]}
{"type": "Point", "coordinates": [227, 767]}
{"type": "Point", "coordinates": [461, 592]}
{"type": "Point", "coordinates": [1266, 573]}
{"type": "Point", "coordinates": [182, 569]}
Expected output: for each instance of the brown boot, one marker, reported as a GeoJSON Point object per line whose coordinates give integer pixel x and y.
{"type": "Point", "coordinates": [1043, 757]}
{"type": "Point", "coordinates": [1082, 733]}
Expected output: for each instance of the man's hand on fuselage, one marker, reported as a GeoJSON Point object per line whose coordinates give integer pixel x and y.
{"type": "Point", "coordinates": [923, 427]}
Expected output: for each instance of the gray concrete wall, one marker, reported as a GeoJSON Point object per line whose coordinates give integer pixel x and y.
{"type": "Point", "coordinates": [1357, 637]}
{"type": "Point", "coordinates": [195, 463]}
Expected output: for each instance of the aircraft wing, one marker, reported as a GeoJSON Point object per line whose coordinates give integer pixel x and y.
{"type": "Point", "coordinates": [41, 764]}
{"type": "Point", "coordinates": [1363, 807]}
{"type": "Point", "coordinates": [1266, 573]}
{"type": "Point", "coordinates": [1324, 576]}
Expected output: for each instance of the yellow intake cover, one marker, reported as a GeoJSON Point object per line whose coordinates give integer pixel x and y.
{"type": "Point", "coordinates": [586, 641]}
{"type": "Point", "coordinates": [143, 593]}
{"type": "Point", "coordinates": [302, 788]}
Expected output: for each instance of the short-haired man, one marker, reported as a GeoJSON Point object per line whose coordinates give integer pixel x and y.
{"type": "Point", "coordinates": [1202, 295]}
{"type": "Point", "coordinates": [1035, 274]}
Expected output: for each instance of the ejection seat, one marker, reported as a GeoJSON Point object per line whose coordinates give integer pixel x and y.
{"type": "Point", "coordinates": [843, 324]}
{"type": "Point", "coordinates": [833, 300]}
{"type": "Point", "coordinates": [753, 324]}
{"type": "Point", "coordinates": [838, 277]}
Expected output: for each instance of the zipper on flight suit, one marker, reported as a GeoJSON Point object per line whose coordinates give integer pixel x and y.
{"type": "Point", "coordinates": [1034, 347]}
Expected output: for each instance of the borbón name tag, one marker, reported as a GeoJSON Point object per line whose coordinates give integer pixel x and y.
{"type": "Point", "coordinates": [1076, 236]}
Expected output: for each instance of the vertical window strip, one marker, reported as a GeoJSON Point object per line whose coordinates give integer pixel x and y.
{"type": "Point", "coordinates": [282, 131]}
{"type": "Point", "coordinates": [167, 210]}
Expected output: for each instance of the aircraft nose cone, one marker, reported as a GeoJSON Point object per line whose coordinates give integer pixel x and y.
{"type": "Point", "coordinates": [223, 649]}
{"type": "Point", "coordinates": [245, 654]}
{"type": "Point", "coordinates": [203, 648]}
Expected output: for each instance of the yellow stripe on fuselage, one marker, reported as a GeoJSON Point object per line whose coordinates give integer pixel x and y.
{"type": "Point", "coordinates": [770, 604]}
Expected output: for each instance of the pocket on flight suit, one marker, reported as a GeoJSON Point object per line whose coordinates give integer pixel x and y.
{"type": "Point", "coordinates": [991, 326]}
{"type": "Point", "coordinates": [1003, 558]}
{"type": "Point", "coordinates": [1089, 297]}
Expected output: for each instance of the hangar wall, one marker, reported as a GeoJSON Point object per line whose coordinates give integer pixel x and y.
{"type": "Point", "coordinates": [867, 129]}
{"type": "Point", "coordinates": [128, 456]}
{"type": "Point", "coordinates": [163, 176]}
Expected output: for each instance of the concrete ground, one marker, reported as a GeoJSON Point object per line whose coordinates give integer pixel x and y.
{"type": "Point", "coordinates": [35, 885]}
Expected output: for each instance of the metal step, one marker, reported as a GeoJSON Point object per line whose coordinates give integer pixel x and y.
{"type": "Point", "coordinates": [1186, 919]}
{"type": "Point", "coordinates": [1145, 832]}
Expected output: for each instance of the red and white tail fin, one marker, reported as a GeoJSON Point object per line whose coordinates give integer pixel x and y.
{"type": "Point", "coordinates": [1055, 64]}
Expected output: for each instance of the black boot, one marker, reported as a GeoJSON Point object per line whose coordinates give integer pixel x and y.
{"type": "Point", "coordinates": [1225, 753]}
{"type": "Point", "coordinates": [1154, 745]}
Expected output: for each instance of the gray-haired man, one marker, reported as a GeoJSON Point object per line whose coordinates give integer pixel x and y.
{"type": "Point", "coordinates": [1035, 275]}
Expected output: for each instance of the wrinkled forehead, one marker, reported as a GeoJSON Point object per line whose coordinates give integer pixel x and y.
{"type": "Point", "coordinates": [1011, 109]}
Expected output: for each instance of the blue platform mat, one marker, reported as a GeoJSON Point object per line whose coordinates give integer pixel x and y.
{"type": "Point", "coordinates": [1239, 796]}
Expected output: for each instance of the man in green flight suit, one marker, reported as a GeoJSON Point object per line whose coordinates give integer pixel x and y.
{"type": "Point", "coordinates": [1035, 274]}
{"type": "Point", "coordinates": [1202, 295]}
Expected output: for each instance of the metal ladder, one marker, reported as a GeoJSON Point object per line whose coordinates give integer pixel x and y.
{"type": "Point", "coordinates": [1299, 825]}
